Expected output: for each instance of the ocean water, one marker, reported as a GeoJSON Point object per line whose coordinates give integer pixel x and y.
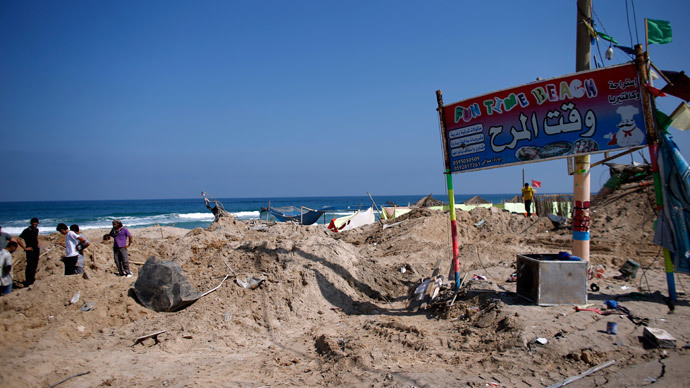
{"type": "Point", "coordinates": [184, 213]}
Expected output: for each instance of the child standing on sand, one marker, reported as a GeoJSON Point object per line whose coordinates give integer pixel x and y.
{"type": "Point", "coordinates": [80, 248]}
{"type": "Point", "coordinates": [71, 254]}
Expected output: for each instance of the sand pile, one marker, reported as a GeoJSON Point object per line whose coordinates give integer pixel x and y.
{"type": "Point", "coordinates": [332, 308]}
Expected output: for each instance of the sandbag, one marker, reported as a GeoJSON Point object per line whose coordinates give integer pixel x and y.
{"type": "Point", "coordinates": [161, 286]}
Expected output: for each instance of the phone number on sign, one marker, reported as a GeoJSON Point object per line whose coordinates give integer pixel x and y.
{"type": "Point", "coordinates": [466, 163]}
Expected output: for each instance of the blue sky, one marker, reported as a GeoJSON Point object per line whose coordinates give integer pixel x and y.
{"type": "Point", "coordinates": [163, 99]}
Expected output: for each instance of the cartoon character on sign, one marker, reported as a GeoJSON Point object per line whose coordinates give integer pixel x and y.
{"type": "Point", "coordinates": [628, 134]}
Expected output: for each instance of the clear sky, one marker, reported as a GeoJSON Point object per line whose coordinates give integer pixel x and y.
{"type": "Point", "coordinates": [163, 99]}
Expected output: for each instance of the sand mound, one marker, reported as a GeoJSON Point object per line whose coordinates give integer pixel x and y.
{"type": "Point", "coordinates": [331, 308]}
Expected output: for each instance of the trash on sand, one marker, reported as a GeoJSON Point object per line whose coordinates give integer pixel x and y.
{"type": "Point", "coordinates": [629, 269]}
{"type": "Point", "coordinates": [403, 270]}
{"type": "Point", "coordinates": [659, 338]}
{"type": "Point", "coordinates": [541, 341]}
{"type": "Point", "coordinates": [250, 281]}
{"type": "Point", "coordinates": [88, 306]}
{"type": "Point", "coordinates": [513, 277]}
{"type": "Point", "coordinates": [479, 277]}
{"type": "Point", "coordinates": [154, 335]}
{"type": "Point", "coordinates": [597, 272]}
{"type": "Point", "coordinates": [75, 298]}
{"type": "Point", "coordinates": [611, 328]}
{"type": "Point", "coordinates": [480, 223]}
{"type": "Point", "coordinates": [584, 374]}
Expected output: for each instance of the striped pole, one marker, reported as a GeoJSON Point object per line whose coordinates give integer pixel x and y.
{"type": "Point", "coordinates": [455, 266]}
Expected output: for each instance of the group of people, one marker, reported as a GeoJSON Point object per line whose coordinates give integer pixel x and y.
{"type": "Point", "coordinates": [74, 259]}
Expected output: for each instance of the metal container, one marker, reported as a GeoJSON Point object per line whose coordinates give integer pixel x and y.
{"type": "Point", "coordinates": [611, 327]}
{"type": "Point", "coordinates": [547, 281]}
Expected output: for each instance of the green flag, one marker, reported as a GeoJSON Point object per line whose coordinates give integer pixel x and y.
{"type": "Point", "coordinates": [658, 31]}
{"type": "Point", "coordinates": [607, 37]}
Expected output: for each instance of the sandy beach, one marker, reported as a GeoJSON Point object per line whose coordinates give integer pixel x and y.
{"type": "Point", "coordinates": [333, 310]}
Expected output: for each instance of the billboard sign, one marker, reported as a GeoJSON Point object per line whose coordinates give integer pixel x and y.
{"type": "Point", "coordinates": [582, 113]}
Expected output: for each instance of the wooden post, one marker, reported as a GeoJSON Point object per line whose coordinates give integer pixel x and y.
{"type": "Point", "coordinates": [454, 273]}
{"type": "Point", "coordinates": [653, 143]}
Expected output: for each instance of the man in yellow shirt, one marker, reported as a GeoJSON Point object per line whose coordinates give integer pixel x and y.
{"type": "Point", "coordinates": [527, 195]}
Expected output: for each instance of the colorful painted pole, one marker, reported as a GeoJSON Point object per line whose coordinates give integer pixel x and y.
{"type": "Point", "coordinates": [455, 264]}
{"type": "Point", "coordinates": [454, 272]}
{"type": "Point", "coordinates": [653, 142]}
{"type": "Point", "coordinates": [581, 178]}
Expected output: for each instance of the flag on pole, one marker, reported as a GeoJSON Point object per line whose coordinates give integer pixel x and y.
{"type": "Point", "coordinates": [680, 118]}
{"type": "Point", "coordinates": [681, 84]}
{"type": "Point", "coordinates": [655, 91]}
{"type": "Point", "coordinates": [658, 31]}
{"type": "Point", "coordinates": [536, 184]}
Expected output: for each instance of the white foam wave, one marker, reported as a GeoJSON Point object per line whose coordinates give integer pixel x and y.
{"type": "Point", "coordinates": [246, 215]}
{"type": "Point", "coordinates": [197, 216]}
{"type": "Point", "coordinates": [14, 231]}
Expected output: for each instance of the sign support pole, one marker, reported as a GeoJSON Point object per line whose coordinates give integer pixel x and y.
{"type": "Point", "coordinates": [455, 264]}
{"type": "Point", "coordinates": [581, 177]}
{"type": "Point", "coordinates": [653, 142]}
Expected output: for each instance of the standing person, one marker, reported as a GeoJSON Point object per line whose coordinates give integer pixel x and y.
{"type": "Point", "coordinates": [6, 267]}
{"type": "Point", "coordinates": [28, 240]}
{"type": "Point", "coordinates": [80, 248]}
{"type": "Point", "coordinates": [122, 239]}
{"type": "Point", "coordinates": [71, 254]}
{"type": "Point", "coordinates": [4, 238]}
{"type": "Point", "coordinates": [527, 196]}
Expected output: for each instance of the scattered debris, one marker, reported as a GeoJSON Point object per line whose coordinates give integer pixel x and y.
{"type": "Point", "coordinates": [558, 222]}
{"type": "Point", "coordinates": [628, 270]}
{"type": "Point", "coordinates": [659, 338]}
{"type": "Point", "coordinates": [611, 328]}
{"type": "Point", "coordinates": [71, 377]}
{"type": "Point", "coordinates": [154, 335]}
{"type": "Point", "coordinates": [540, 340]}
{"type": "Point", "coordinates": [75, 298]}
{"type": "Point", "coordinates": [88, 306]}
{"type": "Point", "coordinates": [251, 282]}
{"type": "Point", "coordinates": [587, 373]}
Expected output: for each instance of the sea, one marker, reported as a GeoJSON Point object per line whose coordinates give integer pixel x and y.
{"type": "Point", "coordinates": [187, 213]}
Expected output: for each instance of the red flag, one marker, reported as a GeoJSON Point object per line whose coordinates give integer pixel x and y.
{"type": "Point", "coordinates": [655, 91]}
{"type": "Point", "coordinates": [536, 184]}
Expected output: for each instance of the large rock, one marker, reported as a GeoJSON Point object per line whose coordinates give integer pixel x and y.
{"type": "Point", "coordinates": [161, 286]}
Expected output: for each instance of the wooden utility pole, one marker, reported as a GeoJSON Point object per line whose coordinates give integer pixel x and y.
{"type": "Point", "coordinates": [454, 273]}
{"type": "Point", "coordinates": [581, 177]}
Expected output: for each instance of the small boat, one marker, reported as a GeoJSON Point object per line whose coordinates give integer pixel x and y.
{"type": "Point", "coordinates": [301, 215]}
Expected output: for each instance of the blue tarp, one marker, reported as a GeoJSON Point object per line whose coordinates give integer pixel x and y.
{"type": "Point", "coordinates": [672, 228]}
